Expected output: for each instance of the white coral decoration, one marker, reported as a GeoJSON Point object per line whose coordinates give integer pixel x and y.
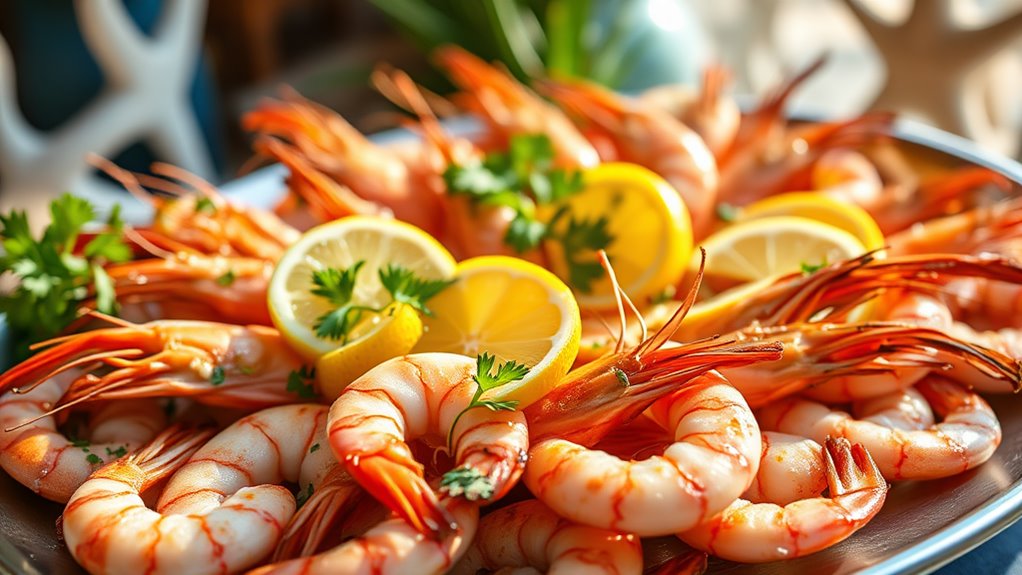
{"type": "Point", "coordinates": [146, 98]}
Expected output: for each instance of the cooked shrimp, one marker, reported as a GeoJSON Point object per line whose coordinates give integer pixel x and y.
{"type": "Point", "coordinates": [845, 362]}
{"type": "Point", "coordinates": [755, 533]}
{"type": "Point", "coordinates": [710, 112]}
{"type": "Point", "coordinates": [337, 170]}
{"type": "Point", "coordinates": [509, 108]}
{"type": "Point", "coordinates": [791, 468]}
{"type": "Point", "coordinates": [217, 364]}
{"type": "Point", "coordinates": [425, 396]}
{"type": "Point", "coordinates": [46, 461]}
{"type": "Point", "coordinates": [966, 232]}
{"type": "Point", "coordinates": [285, 444]}
{"type": "Point", "coordinates": [529, 534]}
{"type": "Point", "coordinates": [391, 548]}
{"type": "Point", "coordinates": [906, 410]}
{"type": "Point", "coordinates": [651, 138]}
{"type": "Point", "coordinates": [712, 462]}
{"type": "Point", "coordinates": [966, 437]}
{"type": "Point", "coordinates": [109, 530]}
{"type": "Point", "coordinates": [232, 289]}
{"type": "Point", "coordinates": [205, 221]}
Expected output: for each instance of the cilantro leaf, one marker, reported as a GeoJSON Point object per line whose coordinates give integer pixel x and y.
{"type": "Point", "coordinates": [405, 287]}
{"type": "Point", "coordinates": [106, 298]}
{"type": "Point", "coordinates": [580, 240]}
{"type": "Point", "coordinates": [297, 383]}
{"type": "Point", "coordinates": [336, 284]}
{"type": "Point", "coordinates": [524, 233]}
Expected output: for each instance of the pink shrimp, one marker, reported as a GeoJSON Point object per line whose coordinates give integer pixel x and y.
{"type": "Point", "coordinates": [529, 534]}
{"type": "Point", "coordinates": [337, 170]}
{"type": "Point", "coordinates": [791, 468]}
{"type": "Point", "coordinates": [967, 436]}
{"type": "Point", "coordinates": [509, 108]}
{"type": "Point", "coordinates": [651, 138]}
{"type": "Point", "coordinates": [710, 112]}
{"type": "Point", "coordinates": [756, 533]}
{"type": "Point", "coordinates": [217, 364]}
{"type": "Point", "coordinates": [204, 221]}
{"type": "Point", "coordinates": [45, 460]}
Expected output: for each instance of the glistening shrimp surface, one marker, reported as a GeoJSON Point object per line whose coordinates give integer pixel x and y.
{"type": "Point", "coordinates": [596, 322]}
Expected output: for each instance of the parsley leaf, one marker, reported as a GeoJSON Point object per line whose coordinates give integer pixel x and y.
{"type": "Point", "coordinates": [227, 279]}
{"type": "Point", "coordinates": [53, 277]}
{"type": "Point", "coordinates": [337, 286]}
{"type": "Point", "coordinates": [119, 452]}
{"type": "Point", "coordinates": [218, 376]}
{"type": "Point", "coordinates": [485, 381]}
{"type": "Point", "coordinates": [468, 482]}
{"type": "Point", "coordinates": [405, 287]}
{"type": "Point", "coordinates": [727, 212]}
{"type": "Point", "coordinates": [520, 179]}
{"type": "Point", "coordinates": [296, 383]}
{"type": "Point", "coordinates": [94, 459]}
{"type": "Point", "coordinates": [809, 269]}
{"type": "Point", "coordinates": [206, 206]}
{"type": "Point", "coordinates": [580, 240]}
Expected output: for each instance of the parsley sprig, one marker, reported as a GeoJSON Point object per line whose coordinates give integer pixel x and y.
{"type": "Point", "coordinates": [522, 179]}
{"type": "Point", "coordinates": [507, 372]}
{"type": "Point", "coordinates": [467, 481]}
{"type": "Point", "coordinates": [337, 285]}
{"type": "Point", "coordinates": [53, 276]}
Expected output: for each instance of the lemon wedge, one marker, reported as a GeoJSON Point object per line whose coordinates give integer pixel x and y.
{"type": "Point", "coordinates": [514, 310]}
{"type": "Point", "coordinates": [648, 225]}
{"type": "Point", "coordinates": [752, 250]}
{"type": "Point", "coordinates": [816, 206]}
{"type": "Point", "coordinates": [341, 244]}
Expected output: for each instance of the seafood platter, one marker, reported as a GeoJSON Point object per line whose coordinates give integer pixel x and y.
{"type": "Point", "coordinates": [592, 333]}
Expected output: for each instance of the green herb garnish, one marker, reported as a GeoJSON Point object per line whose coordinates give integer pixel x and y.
{"type": "Point", "coordinates": [297, 383]}
{"type": "Point", "coordinates": [227, 279]}
{"type": "Point", "coordinates": [53, 277]}
{"type": "Point", "coordinates": [338, 286]}
{"type": "Point", "coordinates": [314, 448]}
{"type": "Point", "coordinates": [119, 452]}
{"type": "Point", "coordinates": [727, 212]}
{"type": "Point", "coordinates": [94, 459]}
{"type": "Point", "coordinates": [468, 482]}
{"type": "Point", "coordinates": [218, 376]}
{"type": "Point", "coordinates": [485, 381]}
{"type": "Point", "coordinates": [302, 497]}
{"type": "Point", "coordinates": [809, 269]}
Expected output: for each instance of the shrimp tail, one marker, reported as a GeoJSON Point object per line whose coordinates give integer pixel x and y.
{"type": "Point", "coordinates": [851, 471]}
{"type": "Point", "coordinates": [319, 517]}
{"type": "Point", "coordinates": [395, 479]}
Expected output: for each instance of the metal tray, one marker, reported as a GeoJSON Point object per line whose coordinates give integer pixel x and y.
{"type": "Point", "coordinates": [922, 526]}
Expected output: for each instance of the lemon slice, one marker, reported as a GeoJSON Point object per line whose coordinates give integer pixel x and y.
{"type": "Point", "coordinates": [816, 206]}
{"type": "Point", "coordinates": [375, 340]}
{"type": "Point", "coordinates": [378, 242]}
{"type": "Point", "coordinates": [767, 247]}
{"type": "Point", "coordinates": [514, 310]}
{"type": "Point", "coordinates": [650, 229]}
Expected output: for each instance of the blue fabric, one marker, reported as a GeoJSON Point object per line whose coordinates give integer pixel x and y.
{"type": "Point", "coordinates": [998, 556]}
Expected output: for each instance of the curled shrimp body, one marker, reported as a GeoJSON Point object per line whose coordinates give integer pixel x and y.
{"type": "Point", "coordinates": [906, 410]}
{"type": "Point", "coordinates": [509, 108]}
{"type": "Point", "coordinates": [756, 533]}
{"type": "Point", "coordinates": [425, 396]}
{"type": "Point", "coordinates": [109, 529]}
{"type": "Point", "coordinates": [651, 138]}
{"type": "Point", "coordinates": [392, 547]}
{"type": "Point", "coordinates": [232, 289]}
{"type": "Point", "coordinates": [529, 534]}
{"type": "Point", "coordinates": [790, 468]}
{"type": "Point", "coordinates": [966, 437]}
{"type": "Point", "coordinates": [713, 459]}
{"type": "Point", "coordinates": [217, 364]}
{"type": "Point", "coordinates": [43, 459]}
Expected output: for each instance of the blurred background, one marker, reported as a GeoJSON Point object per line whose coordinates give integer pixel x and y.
{"type": "Point", "coordinates": [144, 80]}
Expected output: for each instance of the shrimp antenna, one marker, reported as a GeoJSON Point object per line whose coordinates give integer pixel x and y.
{"type": "Point", "coordinates": [144, 243]}
{"type": "Point", "coordinates": [182, 175]}
{"type": "Point", "coordinates": [665, 333]}
{"type": "Point", "coordinates": [111, 319]}
{"type": "Point", "coordinates": [162, 185]}
{"type": "Point", "coordinates": [620, 294]}
{"type": "Point", "coordinates": [125, 178]}
{"type": "Point", "coordinates": [622, 320]}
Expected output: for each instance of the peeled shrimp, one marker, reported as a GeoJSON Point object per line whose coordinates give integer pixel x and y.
{"type": "Point", "coordinates": [791, 468]}
{"type": "Point", "coordinates": [529, 534]}
{"type": "Point", "coordinates": [46, 461]}
{"type": "Point", "coordinates": [713, 460]}
{"type": "Point", "coordinates": [109, 530]}
{"type": "Point", "coordinates": [966, 437]}
{"type": "Point", "coordinates": [755, 533]}
{"type": "Point", "coordinates": [421, 396]}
